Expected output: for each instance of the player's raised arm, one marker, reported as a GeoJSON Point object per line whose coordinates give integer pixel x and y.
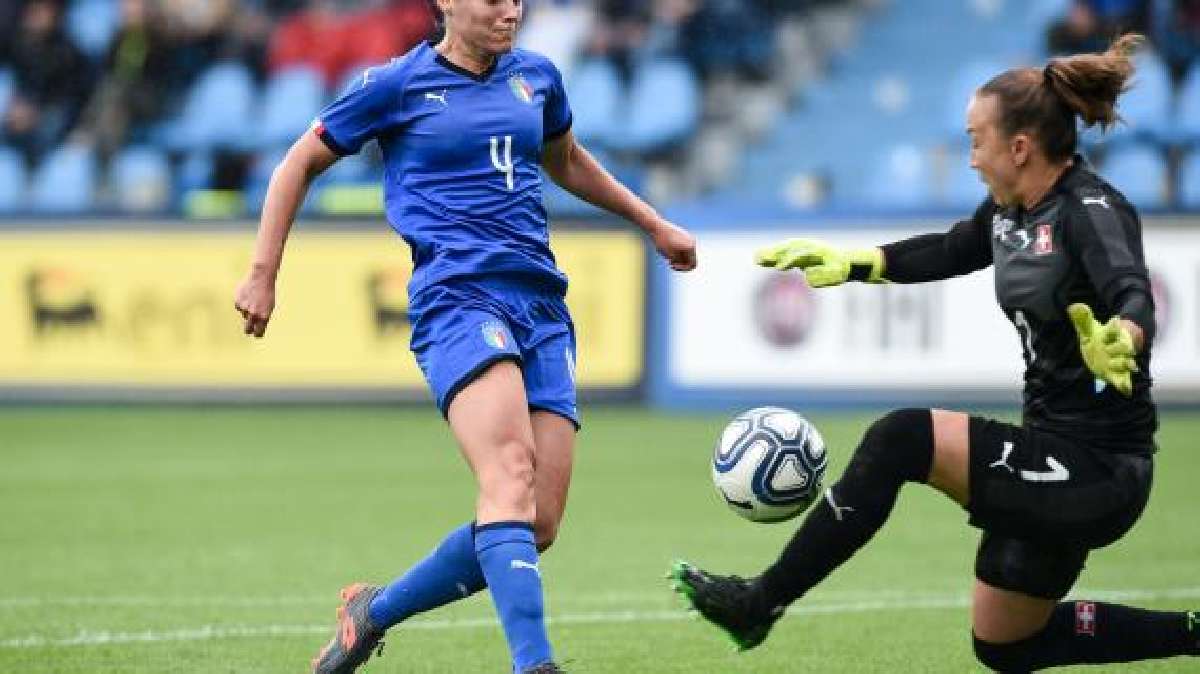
{"type": "Point", "coordinates": [255, 296]}
{"type": "Point", "coordinates": [926, 257]}
{"type": "Point", "coordinates": [574, 168]}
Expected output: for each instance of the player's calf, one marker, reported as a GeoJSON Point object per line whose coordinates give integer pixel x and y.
{"type": "Point", "coordinates": [1085, 632]}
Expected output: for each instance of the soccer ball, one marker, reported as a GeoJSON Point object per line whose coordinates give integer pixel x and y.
{"type": "Point", "coordinates": [768, 464]}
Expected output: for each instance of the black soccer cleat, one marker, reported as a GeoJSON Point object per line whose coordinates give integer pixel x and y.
{"type": "Point", "coordinates": [356, 638]}
{"type": "Point", "coordinates": [544, 668]}
{"type": "Point", "coordinates": [729, 602]}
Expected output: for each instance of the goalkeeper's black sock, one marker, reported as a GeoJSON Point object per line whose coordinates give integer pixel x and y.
{"type": "Point", "coordinates": [896, 449]}
{"type": "Point", "coordinates": [1081, 632]}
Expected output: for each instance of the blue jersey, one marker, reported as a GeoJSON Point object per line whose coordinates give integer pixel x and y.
{"type": "Point", "coordinates": [461, 160]}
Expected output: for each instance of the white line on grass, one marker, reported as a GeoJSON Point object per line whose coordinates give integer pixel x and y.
{"type": "Point", "coordinates": [209, 632]}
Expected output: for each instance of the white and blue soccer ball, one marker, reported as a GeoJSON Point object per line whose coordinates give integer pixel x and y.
{"type": "Point", "coordinates": [769, 464]}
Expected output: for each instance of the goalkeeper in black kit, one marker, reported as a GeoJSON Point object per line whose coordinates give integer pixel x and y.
{"type": "Point", "coordinates": [1070, 274]}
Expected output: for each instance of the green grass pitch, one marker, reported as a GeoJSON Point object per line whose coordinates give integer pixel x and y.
{"type": "Point", "coordinates": [215, 540]}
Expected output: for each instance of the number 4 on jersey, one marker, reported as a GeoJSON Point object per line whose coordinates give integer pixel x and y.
{"type": "Point", "coordinates": [506, 166]}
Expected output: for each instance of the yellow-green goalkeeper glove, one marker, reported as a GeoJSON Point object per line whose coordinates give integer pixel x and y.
{"type": "Point", "coordinates": [1107, 349]}
{"type": "Point", "coordinates": [823, 264]}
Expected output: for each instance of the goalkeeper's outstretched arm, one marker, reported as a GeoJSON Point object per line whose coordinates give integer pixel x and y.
{"type": "Point", "coordinates": [927, 257]}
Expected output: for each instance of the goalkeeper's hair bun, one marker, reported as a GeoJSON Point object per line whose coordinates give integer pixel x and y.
{"type": "Point", "coordinates": [1045, 102]}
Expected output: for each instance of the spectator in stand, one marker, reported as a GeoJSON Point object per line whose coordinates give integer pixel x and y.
{"type": "Point", "coordinates": [621, 30]}
{"type": "Point", "coordinates": [1078, 32]}
{"type": "Point", "coordinates": [1090, 25]}
{"type": "Point", "coordinates": [52, 81]}
{"type": "Point", "coordinates": [139, 83]}
{"type": "Point", "coordinates": [10, 15]}
{"type": "Point", "coordinates": [334, 40]}
{"type": "Point", "coordinates": [730, 37]}
{"type": "Point", "coordinates": [1176, 33]}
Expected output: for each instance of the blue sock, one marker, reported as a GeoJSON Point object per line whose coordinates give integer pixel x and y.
{"type": "Point", "coordinates": [509, 559]}
{"type": "Point", "coordinates": [451, 572]}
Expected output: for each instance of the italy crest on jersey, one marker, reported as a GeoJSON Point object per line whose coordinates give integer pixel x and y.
{"type": "Point", "coordinates": [521, 88]}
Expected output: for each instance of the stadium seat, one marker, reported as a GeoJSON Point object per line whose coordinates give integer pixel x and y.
{"type": "Point", "coordinates": [900, 179]}
{"type": "Point", "coordinates": [12, 180]}
{"type": "Point", "coordinates": [92, 25]}
{"type": "Point", "coordinates": [595, 93]}
{"type": "Point", "coordinates": [218, 112]}
{"type": "Point", "coordinates": [1041, 13]}
{"type": "Point", "coordinates": [6, 89]}
{"type": "Point", "coordinates": [1138, 172]}
{"type": "Point", "coordinates": [958, 92]}
{"type": "Point", "coordinates": [140, 179]}
{"type": "Point", "coordinates": [291, 101]}
{"type": "Point", "coordinates": [1187, 113]}
{"type": "Point", "coordinates": [664, 107]}
{"type": "Point", "coordinates": [64, 182]}
{"type": "Point", "coordinates": [963, 189]}
{"type": "Point", "coordinates": [1189, 182]}
{"type": "Point", "coordinates": [1146, 108]}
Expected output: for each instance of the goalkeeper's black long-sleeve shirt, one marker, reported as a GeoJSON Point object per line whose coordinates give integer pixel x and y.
{"type": "Point", "coordinates": [1081, 243]}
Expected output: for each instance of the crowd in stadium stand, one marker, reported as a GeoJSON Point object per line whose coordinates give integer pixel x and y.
{"type": "Point", "coordinates": [104, 76]}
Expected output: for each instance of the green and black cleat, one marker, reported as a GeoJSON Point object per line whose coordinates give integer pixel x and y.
{"type": "Point", "coordinates": [729, 602]}
{"type": "Point", "coordinates": [356, 638]}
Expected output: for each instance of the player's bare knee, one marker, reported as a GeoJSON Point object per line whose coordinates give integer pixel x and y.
{"type": "Point", "coordinates": [509, 484]}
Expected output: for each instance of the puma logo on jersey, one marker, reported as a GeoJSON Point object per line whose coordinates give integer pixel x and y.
{"type": "Point", "coordinates": [440, 98]}
{"type": "Point", "coordinates": [1101, 201]}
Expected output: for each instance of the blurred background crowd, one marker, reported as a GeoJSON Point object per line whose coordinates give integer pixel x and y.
{"type": "Point", "coordinates": [185, 106]}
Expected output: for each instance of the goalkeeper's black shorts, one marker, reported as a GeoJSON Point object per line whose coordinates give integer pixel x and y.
{"type": "Point", "coordinates": [1044, 501]}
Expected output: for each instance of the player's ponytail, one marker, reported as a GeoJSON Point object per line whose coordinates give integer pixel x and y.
{"type": "Point", "coordinates": [1046, 101]}
{"type": "Point", "coordinates": [1090, 83]}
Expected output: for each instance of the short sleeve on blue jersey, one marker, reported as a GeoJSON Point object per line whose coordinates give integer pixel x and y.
{"type": "Point", "coordinates": [556, 115]}
{"type": "Point", "coordinates": [370, 105]}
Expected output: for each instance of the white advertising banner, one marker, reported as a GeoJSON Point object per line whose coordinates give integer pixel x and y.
{"type": "Point", "coordinates": [735, 325]}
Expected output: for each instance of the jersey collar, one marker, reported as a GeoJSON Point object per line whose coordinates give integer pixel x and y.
{"type": "Point", "coordinates": [450, 65]}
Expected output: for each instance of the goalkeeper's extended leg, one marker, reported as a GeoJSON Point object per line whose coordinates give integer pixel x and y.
{"type": "Point", "coordinates": [896, 449]}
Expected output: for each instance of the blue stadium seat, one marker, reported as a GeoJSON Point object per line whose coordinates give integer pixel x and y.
{"type": "Point", "coordinates": [963, 188]}
{"type": "Point", "coordinates": [595, 94]}
{"type": "Point", "coordinates": [1189, 182]}
{"type": "Point", "coordinates": [195, 172]}
{"type": "Point", "coordinates": [218, 112]}
{"type": "Point", "coordinates": [900, 179]}
{"type": "Point", "coordinates": [1041, 13]}
{"type": "Point", "coordinates": [291, 101]}
{"type": "Point", "coordinates": [6, 89]}
{"type": "Point", "coordinates": [140, 178]}
{"type": "Point", "coordinates": [92, 25]}
{"type": "Point", "coordinates": [1138, 172]}
{"type": "Point", "coordinates": [1146, 107]}
{"type": "Point", "coordinates": [12, 180]}
{"type": "Point", "coordinates": [1187, 114]}
{"type": "Point", "coordinates": [64, 182]}
{"type": "Point", "coordinates": [958, 92]}
{"type": "Point", "coordinates": [664, 106]}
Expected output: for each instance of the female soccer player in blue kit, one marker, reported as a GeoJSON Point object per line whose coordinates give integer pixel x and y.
{"type": "Point", "coordinates": [463, 125]}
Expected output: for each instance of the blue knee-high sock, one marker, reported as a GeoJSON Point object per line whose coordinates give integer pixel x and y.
{"type": "Point", "coordinates": [451, 572]}
{"type": "Point", "coordinates": [510, 563]}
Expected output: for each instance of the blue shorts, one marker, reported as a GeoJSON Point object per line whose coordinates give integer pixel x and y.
{"type": "Point", "coordinates": [460, 328]}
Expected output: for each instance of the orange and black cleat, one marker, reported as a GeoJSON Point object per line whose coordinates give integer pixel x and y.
{"type": "Point", "coordinates": [356, 637]}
